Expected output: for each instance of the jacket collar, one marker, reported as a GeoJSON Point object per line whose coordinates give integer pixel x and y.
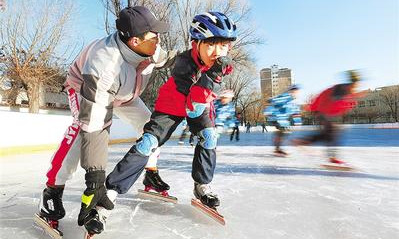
{"type": "Point", "coordinates": [195, 55]}
{"type": "Point", "coordinates": [128, 54]}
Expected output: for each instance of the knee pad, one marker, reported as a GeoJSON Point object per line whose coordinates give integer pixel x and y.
{"type": "Point", "coordinates": [208, 138]}
{"type": "Point", "coordinates": [147, 144]}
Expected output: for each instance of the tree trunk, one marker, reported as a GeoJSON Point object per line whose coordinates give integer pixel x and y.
{"type": "Point", "coordinates": [34, 91]}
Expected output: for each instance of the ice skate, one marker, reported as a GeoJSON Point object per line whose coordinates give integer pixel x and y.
{"type": "Point", "coordinates": [50, 227]}
{"type": "Point", "coordinates": [50, 211]}
{"type": "Point", "coordinates": [280, 153]}
{"type": "Point", "coordinates": [204, 193]}
{"type": "Point", "coordinates": [336, 161]}
{"type": "Point", "coordinates": [155, 187]}
{"type": "Point", "coordinates": [206, 201]}
{"type": "Point", "coordinates": [336, 164]}
{"type": "Point", "coordinates": [181, 142]}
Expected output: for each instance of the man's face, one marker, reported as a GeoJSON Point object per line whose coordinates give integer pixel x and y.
{"type": "Point", "coordinates": [211, 51]}
{"type": "Point", "coordinates": [145, 46]}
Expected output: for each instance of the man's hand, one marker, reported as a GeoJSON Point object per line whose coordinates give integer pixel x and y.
{"type": "Point", "coordinates": [94, 195]}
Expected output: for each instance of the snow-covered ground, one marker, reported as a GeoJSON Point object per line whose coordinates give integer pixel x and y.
{"type": "Point", "coordinates": [262, 196]}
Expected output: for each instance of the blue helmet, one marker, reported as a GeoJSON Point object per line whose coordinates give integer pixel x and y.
{"type": "Point", "coordinates": [212, 24]}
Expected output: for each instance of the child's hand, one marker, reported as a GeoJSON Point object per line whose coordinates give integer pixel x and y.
{"type": "Point", "coordinates": [221, 67]}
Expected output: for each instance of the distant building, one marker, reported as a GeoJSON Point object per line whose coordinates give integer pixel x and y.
{"type": "Point", "coordinates": [274, 80]}
{"type": "Point", "coordinates": [379, 105]}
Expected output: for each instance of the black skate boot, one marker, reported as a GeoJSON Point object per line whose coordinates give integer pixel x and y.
{"type": "Point", "coordinates": [153, 181]}
{"type": "Point", "coordinates": [50, 205]}
{"type": "Point", "coordinates": [204, 193]}
{"type": "Point", "coordinates": [50, 211]}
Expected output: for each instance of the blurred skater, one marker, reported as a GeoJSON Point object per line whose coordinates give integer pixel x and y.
{"type": "Point", "coordinates": [225, 112]}
{"type": "Point", "coordinates": [332, 102]}
{"type": "Point", "coordinates": [280, 113]}
{"type": "Point", "coordinates": [236, 129]}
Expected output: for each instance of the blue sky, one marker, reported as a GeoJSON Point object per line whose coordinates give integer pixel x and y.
{"type": "Point", "coordinates": [317, 39]}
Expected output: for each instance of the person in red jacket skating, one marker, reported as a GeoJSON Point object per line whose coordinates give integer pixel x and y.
{"type": "Point", "coordinates": [330, 103]}
{"type": "Point", "coordinates": [188, 94]}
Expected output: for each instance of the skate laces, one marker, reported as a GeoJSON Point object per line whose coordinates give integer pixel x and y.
{"type": "Point", "coordinates": [204, 189]}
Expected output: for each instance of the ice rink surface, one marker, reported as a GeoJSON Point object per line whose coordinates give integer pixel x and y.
{"type": "Point", "coordinates": [262, 196]}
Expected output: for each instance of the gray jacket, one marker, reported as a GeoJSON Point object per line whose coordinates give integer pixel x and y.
{"type": "Point", "coordinates": [104, 74]}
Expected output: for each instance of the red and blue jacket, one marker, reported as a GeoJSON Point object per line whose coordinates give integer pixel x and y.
{"type": "Point", "coordinates": [188, 83]}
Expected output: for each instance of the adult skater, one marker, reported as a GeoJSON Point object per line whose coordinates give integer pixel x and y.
{"type": "Point", "coordinates": [107, 77]}
{"type": "Point", "coordinates": [281, 112]}
{"type": "Point", "coordinates": [332, 102]}
{"type": "Point", "coordinates": [189, 93]}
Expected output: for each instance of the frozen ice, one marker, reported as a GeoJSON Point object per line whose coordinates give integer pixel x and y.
{"type": "Point", "coordinates": [262, 196]}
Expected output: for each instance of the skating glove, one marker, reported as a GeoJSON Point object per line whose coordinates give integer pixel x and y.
{"type": "Point", "coordinates": [94, 195]}
{"type": "Point", "coordinates": [221, 67]}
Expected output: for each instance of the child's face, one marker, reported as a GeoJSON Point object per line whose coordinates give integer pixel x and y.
{"type": "Point", "coordinates": [210, 51]}
{"type": "Point", "coordinates": [225, 100]}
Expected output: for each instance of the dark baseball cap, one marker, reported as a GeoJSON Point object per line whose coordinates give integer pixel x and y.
{"type": "Point", "coordinates": [134, 21]}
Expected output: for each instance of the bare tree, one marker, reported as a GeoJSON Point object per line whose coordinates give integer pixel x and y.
{"type": "Point", "coordinates": [31, 34]}
{"type": "Point", "coordinates": [249, 98]}
{"type": "Point", "coordinates": [390, 97]}
{"type": "Point", "coordinates": [241, 79]}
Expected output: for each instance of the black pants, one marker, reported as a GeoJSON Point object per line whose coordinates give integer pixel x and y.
{"type": "Point", "coordinates": [236, 131]}
{"type": "Point", "coordinates": [161, 125]}
{"type": "Point", "coordinates": [328, 133]}
{"type": "Point", "coordinates": [279, 136]}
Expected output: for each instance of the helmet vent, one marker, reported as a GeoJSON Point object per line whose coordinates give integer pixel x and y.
{"type": "Point", "coordinates": [202, 27]}
{"type": "Point", "coordinates": [218, 24]}
{"type": "Point", "coordinates": [227, 23]}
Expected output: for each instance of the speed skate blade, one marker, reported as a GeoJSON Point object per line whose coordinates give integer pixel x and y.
{"type": "Point", "coordinates": [52, 232]}
{"type": "Point", "coordinates": [158, 196]}
{"type": "Point", "coordinates": [208, 211]}
{"type": "Point", "coordinates": [337, 167]}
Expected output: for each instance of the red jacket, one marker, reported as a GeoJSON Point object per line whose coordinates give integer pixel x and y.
{"type": "Point", "coordinates": [189, 83]}
{"type": "Point", "coordinates": [334, 101]}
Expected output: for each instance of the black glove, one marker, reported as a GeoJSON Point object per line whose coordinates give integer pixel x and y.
{"type": "Point", "coordinates": [94, 195]}
{"type": "Point", "coordinates": [221, 67]}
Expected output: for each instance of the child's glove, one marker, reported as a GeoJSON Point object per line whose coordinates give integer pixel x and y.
{"type": "Point", "coordinates": [221, 67]}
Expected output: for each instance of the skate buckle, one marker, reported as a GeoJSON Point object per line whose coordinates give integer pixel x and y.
{"type": "Point", "coordinates": [53, 224]}
{"type": "Point", "coordinates": [148, 188]}
{"type": "Point", "coordinates": [164, 193]}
